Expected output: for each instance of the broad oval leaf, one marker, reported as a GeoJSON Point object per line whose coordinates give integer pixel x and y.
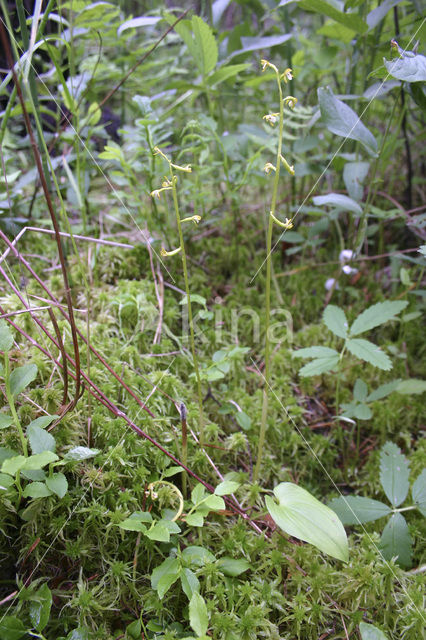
{"type": "Point", "coordinates": [339, 201]}
{"type": "Point", "coordinates": [190, 583]}
{"type": "Point", "coordinates": [335, 320]}
{"type": "Point", "coordinates": [6, 337]}
{"type": "Point", "coordinates": [360, 390]}
{"type": "Point", "coordinates": [394, 472]}
{"type": "Point", "coordinates": [40, 460]}
{"type": "Point", "coordinates": [21, 377]}
{"type": "Point", "coordinates": [376, 315]}
{"type": "Point", "coordinates": [233, 567]}
{"type": "Point", "coordinates": [36, 490]}
{"type": "Point", "coordinates": [409, 68]}
{"type": "Point", "coordinates": [5, 421]}
{"type": "Point", "coordinates": [40, 440]}
{"type": "Point", "coordinates": [165, 575]}
{"type": "Point", "coordinates": [354, 174]}
{"type": "Point", "coordinates": [134, 23]}
{"type": "Point", "coordinates": [81, 453]}
{"type": "Point", "coordinates": [396, 541]}
{"type": "Point", "coordinates": [370, 632]}
{"type": "Point", "coordinates": [198, 616]}
{"type": "Point", "coordinates": [343, 121]}
{"type": "Point", "coordinates": [57, 483]}
{"type": "Point", "coordinates": [12, 628]}
{"type": "Point", "coordinates": [42, 422]}
{"type": "Point", "coordinates": [303, 516]}
{"type": "Point", "coordinates": [370, 352]}
{"type": "Point", "coordinates": [40, 607]}
{"type": "Point", "coordinates": [418, 492]}
{"type": "Point", "coordinates": [226, 487]}
{"type": "Point", "coordinates": [357, 510]}
{"type": "Point", "coordinates": [314, 352]}
{"type": "Point", "coordinates": [412, 385]}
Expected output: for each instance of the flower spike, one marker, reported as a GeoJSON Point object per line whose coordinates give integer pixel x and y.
{"type": "Point", "coordinates": [290, 102]}
{"type": "Point", "coordinates": [287, 75]}
{"type": "Point", "coordinates": [165, 253]}
{"type": "Point", "coordinates": [287, 224]}
{"type": "Point", "coordinates": [194, 219]}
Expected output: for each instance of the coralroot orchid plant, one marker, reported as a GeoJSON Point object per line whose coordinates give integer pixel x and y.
{"type": "Point", "coordinates": [169, 184]}
{"type": "Point", "coordinates": [272, 118]}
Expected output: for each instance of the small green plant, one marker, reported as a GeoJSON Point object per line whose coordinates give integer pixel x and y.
{"type": "Point", "coordinates": [395, 541]}
{"type": "Point", "coordinates": [272, 118]}
{"type": "Point", "coordinates": [170, 184]}
{"type": "Point", "coordinates": [326, 359]}
{"type": "Point", "coordinates": [16, 468]}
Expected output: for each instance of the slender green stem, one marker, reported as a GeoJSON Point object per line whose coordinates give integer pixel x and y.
{"type": "Point", "coordinates": [264, 418]}
{"type": "Point", "coordinates": [11, 401]}
{"type": "Point", "coordinates": [190, 317]}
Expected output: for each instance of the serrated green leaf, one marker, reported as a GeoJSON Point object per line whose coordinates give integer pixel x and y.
{"type": "Point", "coordinates": [335, 320]}
{"type": "Point", "coordinates": [232, 567]}
{"type": "Point", "coordinates": [21, 377]}
{"type": "Point", "coordinates": [315, 352]}
{"type": "Point", "coordinates": [40, 440]}
{"type": "Point", "coordinates": [356, 509]}
{"type": "Point", "coordinates": [370, 632]}
{"type": "Point", "coordinates": [370, 352]}
{"type": "Point", "coordinates": [349, 20]}
{"type": "Point", "coordinates": [396, 541]}
{"type": "Point", "coordinates": [40, 607]}
{"type": "Point", "coordinates": [206, 51]}
{"type": "Point", "coordinates": [36, 490]}
{"type": "Point", "coordinates": [376, 315]}
{"type": "Point", "coordinates": [198, 617]}
{"type": "Point", "coordinates": [57, 483]}
{"type": "Point", "coordinates": [226, 487]}
{"type": "Point", "coordinates": [190, 583]}
{"type": "Point", "coordinates": [81, 453]}
{"type": "Point", "coordinates": [418, 491]}
{"type": "Point", "coordinates": [394, 472]}
{"type": "Point", "coordinates": [318, 366]}
{"type": "Point", "coordinates": [360, 390]}
{"type": "Point", "coordinates": [6, 337]}
{"type": "Point", "coordinates": [411, 386]}
{"type": "Point", "coordinates": [303, 516]}
{"type": "Point", "coordinates": [343, 121]}
{"type": "Point", "coordinates": [383, 391]}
